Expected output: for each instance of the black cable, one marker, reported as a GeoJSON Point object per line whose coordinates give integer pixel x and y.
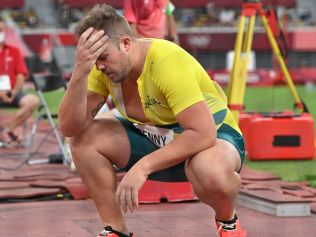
{"type": "Point", "coordinates": [59, 196]}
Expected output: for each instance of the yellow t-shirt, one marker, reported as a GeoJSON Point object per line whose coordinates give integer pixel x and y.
{"type": "Point", "coordinates": [171, 81]}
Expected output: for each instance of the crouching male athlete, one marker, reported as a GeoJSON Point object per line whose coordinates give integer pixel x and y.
{"type": "Point", "coordinates": [174, 123]}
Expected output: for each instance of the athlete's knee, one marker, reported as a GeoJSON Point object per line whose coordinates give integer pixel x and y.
{"type": "Point", "coordinates": [103, 137]}
{"type": "Point", "coordinates": [77, 147]}
{"type": "Point", "coordinates": [80, 143]}
{"type": "Point", "coordinates": [213, 181]}
{"type": "Point", "coordinates": [76, 143]}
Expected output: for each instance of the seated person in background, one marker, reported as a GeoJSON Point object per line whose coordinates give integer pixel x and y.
{"type": "Point", "coordinates": [13, 72]}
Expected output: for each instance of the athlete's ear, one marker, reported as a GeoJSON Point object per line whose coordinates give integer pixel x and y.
{"type": "Point", "coordinates": [125, 44]}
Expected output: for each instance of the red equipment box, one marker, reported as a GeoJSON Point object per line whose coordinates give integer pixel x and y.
{"type": "Point", "coordinates": [279, 136]}
{"type": "Point", "coordinates": [244, 121]}
{"type": "Point", "coordinates": [156, 192]}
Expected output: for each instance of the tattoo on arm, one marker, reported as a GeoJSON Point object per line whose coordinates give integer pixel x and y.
{"type": "Point", "coordinates": [96, 110]}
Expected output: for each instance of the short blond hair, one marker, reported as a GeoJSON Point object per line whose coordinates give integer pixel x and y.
{"type": "Point", "coordinates": [105, 17]}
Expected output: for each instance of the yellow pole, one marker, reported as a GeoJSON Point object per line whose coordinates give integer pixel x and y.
{"type": "Point", "coordinates": [237, 51]}
{"type": "Point", "coordinates": [280, 59]}
{"type": "Point", "coordinates": [234, 83]}
{"type": "Point", "coordinates": [244, 62]}
{"type": "Point", "coordinates": [237, 83]}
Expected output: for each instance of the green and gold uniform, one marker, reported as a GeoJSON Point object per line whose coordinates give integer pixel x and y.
{"type": "Point", "coordinates": [171, 81]}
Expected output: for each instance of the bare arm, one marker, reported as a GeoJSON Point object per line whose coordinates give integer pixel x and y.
{"type": "Point", "coordinates": [20, 78]}
{"type": "Point", "coordinates": [171, 27]}
{"type": "Point", "coordinates": [75, 110]}
{"type": "Point", "coordinates": [199, 134]}
{"type": "Point", "coordinates": [9, 97]}
{"type": "Point", "coordinates": [172, 34]}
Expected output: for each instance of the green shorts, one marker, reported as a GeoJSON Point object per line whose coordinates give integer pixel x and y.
{"type": "Point", "coordinates": [142, 145]}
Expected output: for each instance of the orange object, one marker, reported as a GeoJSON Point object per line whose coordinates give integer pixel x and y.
{"type": "Point", "coordinates": [280, 137]}
{"type": "Point", "coordinates": [156, 192]}
{"type": "Point", "coordinates": [244, 121]}
{"type": "Point", "coordinates": [273, 22]}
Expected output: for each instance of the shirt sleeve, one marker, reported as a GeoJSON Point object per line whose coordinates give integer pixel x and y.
{"type": "Point", "coordinates": [178, 80]}
{"type": "Point", "coordinates": [129, 12]}
{"type": "Point", "coordinates": [98, 83]}
{"type": "Point", "coordinates": [20, 63]}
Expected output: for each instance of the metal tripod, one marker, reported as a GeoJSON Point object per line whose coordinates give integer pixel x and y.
{"type": "Point", "coordinates": [243, 43]}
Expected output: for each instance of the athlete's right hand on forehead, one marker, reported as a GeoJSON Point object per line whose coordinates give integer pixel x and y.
{"type": "Point", "coordinates": [90, 45]}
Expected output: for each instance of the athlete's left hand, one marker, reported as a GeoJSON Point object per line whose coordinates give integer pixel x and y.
{"type": "Point", "coordinates": [127, 191]}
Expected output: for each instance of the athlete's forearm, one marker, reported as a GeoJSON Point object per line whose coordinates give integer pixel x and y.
{"type": "Point", "coordinates": [186, 145]}
{"type": "Point", "coordinates": [199, 134]}
{"type": "Point", "coordinates": [72, 112]}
